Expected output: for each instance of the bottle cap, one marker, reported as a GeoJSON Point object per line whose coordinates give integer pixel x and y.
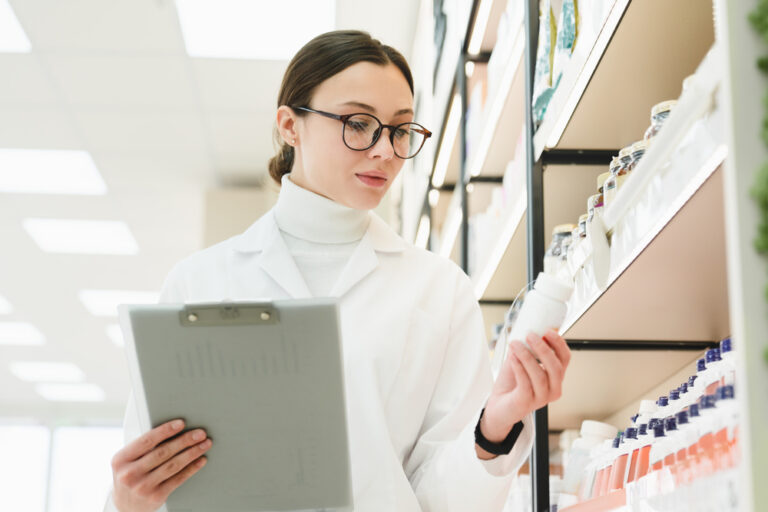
{"type": "Point", "coordinates": [708, 402]}
{"type": "Point", "coordinates": [658, 430]}
{"type": "Point", "coordinates": [726, 346]}
{"type": "Point", "coordinates": [601, 180]}
{"type": "Point", "coordinates": [553, 287]}
{"type": "Point", "coordinates": [615, 163]}
{"type": "Point", "coordinates": [701, 365]}
{"type": "Point", "coordinates": [634, 418]}
{"type": "Point", "coordinates": [682, 418]}
{"type": "Point", "coordinates": [674, 394]}
{"type": "Point", "coordinates": [670, 424]}
{"type": "Point", "coordinates": [642, 429]}
{"type": "Point", "coordinates": [663, 401]}
{"type": "Point", "coordinates": [590, 428]}
{"type": "Point", "coordinates": [726, 392]}
{"type": "Point", "coordinates": [625, 152]}
{"type": "Point", "coordinates": [641, 145]}
{"type": "Point", "coordinates": [652, 423]}
{"type": "Point", "coordinates": [683, 388]}
{"type": "Point", "coordinates": [691, 380]}
{"type": "Point", "coordinates": [718, 357]}
{"type": "Point", "coordinates": [711, 357]}
{"type": "Point", "coordinates": [693, 410]}
{"type": "Point", "coordinates": [664, 106]}
{"type": "Point", "coordinates": [647, 407]}
{"type": "Point", "coordinates": [562, 229]}
{"type": "Point", "coordinates": [616, 441]}
{"type": "Point", "coordinates": [630, 433]}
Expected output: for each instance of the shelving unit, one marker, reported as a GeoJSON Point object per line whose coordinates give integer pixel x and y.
{"type": "Point", "coordinates": [684, 282]}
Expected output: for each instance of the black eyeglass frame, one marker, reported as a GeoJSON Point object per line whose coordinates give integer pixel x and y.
{"type": "Point", "coordinates": [392, 128]}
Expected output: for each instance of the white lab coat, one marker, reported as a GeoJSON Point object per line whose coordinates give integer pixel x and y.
{"type": "Point", "coordinates": [417, 371]}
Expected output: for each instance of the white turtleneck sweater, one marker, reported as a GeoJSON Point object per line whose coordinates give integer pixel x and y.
{"type": "Point", "coordinates": [321, 234]}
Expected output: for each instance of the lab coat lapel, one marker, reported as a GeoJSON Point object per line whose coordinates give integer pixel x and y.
{"type": "Point", "coordinates": [362, 262]}
{"type": "Point", "coordinates": [275, 259]}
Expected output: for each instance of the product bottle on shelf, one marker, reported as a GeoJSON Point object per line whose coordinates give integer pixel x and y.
{"type": "Point", "coordinates": [593, 480]}
{"type": "Point", "coordinates": [671, 432]}
{"type": "Point", "coordinates": [726, 436]}
{"type": "Point", "coordinates": [698, 382]}
{"type": "Point", "coordinates": [656, 455]}
{"type": "Point", "coordinates": [643, 439]}
{"type": "Point", "coordinates": [605, 478]}
{"type": "Point", "coordinates": [675, 405]}
{"type": "Point", "coordinates": [662, 411]}
{"type": "Point", "coordinates": [705, 466]}
{"type": "Point", "coordinates": [729, 362]}
{"type": "Point", "coordinates": [619, 469]}
{"type": "Point", "coordinates": [713, 373]}
{"type": "Point", "coordinates": [592, 434]}
{"type": "Point", "coordinates": [646, 412]}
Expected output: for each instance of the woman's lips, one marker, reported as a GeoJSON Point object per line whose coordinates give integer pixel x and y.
{"type": "Point", "coordinates": [372, 180]}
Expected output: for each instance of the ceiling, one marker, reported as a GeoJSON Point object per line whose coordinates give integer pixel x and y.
{"type": "Point", "coordinates": [113, 78]}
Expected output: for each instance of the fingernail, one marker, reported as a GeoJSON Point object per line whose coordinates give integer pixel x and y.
{"type": "Point", "coordinates": [177, 424]}
{"type": "Point", "coordinates": [205, 445]}
{"type": "Point", "coordinates": [198, 436]}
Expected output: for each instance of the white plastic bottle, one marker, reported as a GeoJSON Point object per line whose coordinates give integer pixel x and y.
{"type": "Point", "coordinates": [543, 308]}
{"type": "Point", "coordinates": [593, 433]}
{"type": "Point", "coordinates": [729, 362]}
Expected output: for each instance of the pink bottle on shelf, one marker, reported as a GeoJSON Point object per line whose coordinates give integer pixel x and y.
{"type": "Point", "coordinates": [619, 470]}
{"type": "Point", "coordinates": [634, 460]}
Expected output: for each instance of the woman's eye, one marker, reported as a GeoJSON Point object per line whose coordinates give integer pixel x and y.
{"type": "Point", "coordinates": [358, 126]}
{"type": "Point", "coordinates": [402, 132]}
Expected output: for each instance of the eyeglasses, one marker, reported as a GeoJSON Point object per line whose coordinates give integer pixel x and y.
{"type": "Point", "coordinates": [361, 131]}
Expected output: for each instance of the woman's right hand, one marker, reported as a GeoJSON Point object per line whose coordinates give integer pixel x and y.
{"type": "Point", "coordinates": [150, 468]}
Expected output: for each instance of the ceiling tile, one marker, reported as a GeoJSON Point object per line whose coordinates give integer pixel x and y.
{"type": "Point", "coordinates": [392, 22]}
{"type": "Point", "coordinates": [241, 144]}
{"type": "Point", "coordinates": [37, 128]}
{"type": "Point", "coordinates": [112, 26]}
{"type": "Point", "coordinates": [30, 85]}
{"type": "Point", "coordinates": [124, 80]}
{"type": "Point", "coordinates": [238, 84]}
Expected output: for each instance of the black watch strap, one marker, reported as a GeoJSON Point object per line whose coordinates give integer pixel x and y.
{"type": "Point", "coordinates": [502, 448]}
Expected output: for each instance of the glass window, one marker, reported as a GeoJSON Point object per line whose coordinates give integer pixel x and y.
{"type": "Point", "coordinates": [81, 476]}
{"type": "Point", "coordinates": [24, 463]}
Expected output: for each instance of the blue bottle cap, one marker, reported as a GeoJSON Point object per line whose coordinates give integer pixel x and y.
{"type": "Point", "coordinates": [630, 433]}
{"type": "Point", "coordinates": [701, 364]}
{"type": "Point", "coordinates": [674, 394]}
{"type": "Point", "coordinates": [691, 380]}
{"type": "Point", "coordinates": [683, 388]}
{"type": "Point", "coordinates": [711, 357]}
{"type": "Point", "coordinates": [652, 423]}
{"type": "Point", "coordinates": [708, 402]}
{"type": "Point", "coordinates": [726, 392]}
{"type": "Point", "coordinates": [718, 356]}
{"type": "Point", "coordinates": [662, 401]}
{"type": "Point", "coordinates": [616, 441]}
{"type": "Point", "coordinates": [682, 418]}
{"type": "Point", "coordinates": [670, 424]}
{"type": "Point", "coordinates": [693, 410]}
{"type": "Point", "coordinates": [634, 418]}
{"type": "Point", "coordinates": [642, 429]}
{"type": "Point", "coordinates": [726, 346]}
{"type": "Point", "coordinates": [658, 430]}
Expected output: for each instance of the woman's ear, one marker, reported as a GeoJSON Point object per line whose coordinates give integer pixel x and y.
{"type": "Point", "coordinates": [286, 125]}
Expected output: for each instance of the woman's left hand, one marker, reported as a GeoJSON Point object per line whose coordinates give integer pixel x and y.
{"type": "Point", "coordinates": [525, 384]}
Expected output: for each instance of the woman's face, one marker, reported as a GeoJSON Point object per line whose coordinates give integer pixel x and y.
{"type": "Point", "coordinates": [323, 163]}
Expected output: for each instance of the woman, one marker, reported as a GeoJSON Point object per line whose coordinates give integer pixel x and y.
{"type": "Point", "coordinates": [417, 370]}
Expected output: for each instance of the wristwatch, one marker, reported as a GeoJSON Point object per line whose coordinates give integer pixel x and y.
{"type": "Point", "coordinates": [502, 448]}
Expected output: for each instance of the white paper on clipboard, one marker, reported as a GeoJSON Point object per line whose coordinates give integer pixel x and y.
{"type": "Point", "coordinates": [266, 382]}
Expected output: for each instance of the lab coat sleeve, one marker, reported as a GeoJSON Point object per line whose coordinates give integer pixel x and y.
{"type": "Point", "coordinates": [173, 290]}
{"type": "Point", "coordinates": [443, 467]}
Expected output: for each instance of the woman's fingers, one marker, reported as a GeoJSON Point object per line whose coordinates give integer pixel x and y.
{"type": "Point", "coordinates": [177, 463]}
{"type": "Point", "coordinates": [169, 449]}
{"type": "Point", "coordinates": [559, 345]}
{"type": "Point", "coordinates": [538, 377]}
{"type": "Point", "coordinates": [170, 485]}
{"type": "Point", "coordinates": [147, 442]}
{"type": "Point", "coordinates": [522, 380]}
{"type": "Point", "coordinates": [551, 365]}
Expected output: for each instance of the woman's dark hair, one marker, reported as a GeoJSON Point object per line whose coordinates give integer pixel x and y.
{"type": "Point", "coordinates": [320, 59]}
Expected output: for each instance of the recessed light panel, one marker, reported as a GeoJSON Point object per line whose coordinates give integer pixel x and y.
{"type": "Point", "coordinates": [248, 29]}
{"type": "Point", "coordinates": [38, 171]}
{"type": "Point", "coordinates": [82, 236]}
{"type": "Point", "coordinates": [71, 392]}
{"type": "Point", "coordinates": [12, 36]}
{"type": "Point", "coordinates": [47, 371]}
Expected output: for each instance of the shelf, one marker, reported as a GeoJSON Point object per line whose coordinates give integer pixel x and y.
{"type": "Point", "coordinates": [502, 118]}
{"type": "Point", "coordinates": [659, 293]}
{"type": "Point", "coordinates": [644, 52]}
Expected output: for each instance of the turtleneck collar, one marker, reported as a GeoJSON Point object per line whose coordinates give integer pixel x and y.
{"type": "Point", "coordinates": [309, 216]}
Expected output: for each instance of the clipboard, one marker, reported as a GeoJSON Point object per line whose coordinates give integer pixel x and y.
{"type": "Point", "coordinates": [266, 381]}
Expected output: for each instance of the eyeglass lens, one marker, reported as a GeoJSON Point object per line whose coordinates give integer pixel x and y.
{"type": "Point", "coordinates": [361, 130]}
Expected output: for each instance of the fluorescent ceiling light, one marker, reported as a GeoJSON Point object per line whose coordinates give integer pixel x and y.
{"type": "Point", "coordinates": [434, 197]}
{"type": "Point", "coordinates": [12, 36]}
{"type": "Point", "coordinates": [115, 333]}
{"type": "Point", "coordinates": [478, 29]}
{"type": "Point", "coordinates": [249, 29]}
{"type": "Point", "coordinates": [422, 234]}
{"type": "Point", "coordinates": [47, 371]}
{"type": "Point", "coordinates": [5, 306]}
{"type": "Point", "coordinates": [20, 333]}
{"type": "Point", "coordinates": [104, 302]}
{"type": "Point", "coordinates": [70, 392]}
{"type": "Point", "coordinates": [447, 141]}
{"type": "Point", "coordinates": [42, 171]}
{"type": "Point", "coordinates": [82, 236]}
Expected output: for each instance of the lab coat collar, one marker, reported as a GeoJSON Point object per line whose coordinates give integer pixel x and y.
{"type": "Point", "coordinates": [264, 237]}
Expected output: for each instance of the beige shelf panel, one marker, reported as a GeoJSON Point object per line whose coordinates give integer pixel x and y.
{"type": "Point", "coordinates": [676, 289]}
{"type": "Point", "coordinates": [491, 29]}
{"type": "Point", "coordinates": [511, 275]}
{"type": "Point", "coordinates": [600, 383]}
{"type": "Point", "coordinates": [655, 46]}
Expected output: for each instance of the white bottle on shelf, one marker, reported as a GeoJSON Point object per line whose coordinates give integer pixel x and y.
{"type": "Point", "coordinates": [543, 308]}
{"type": "Point", "coordinates": [593, 434]}
{"type": "Point", "coordinates": [729, 362]}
